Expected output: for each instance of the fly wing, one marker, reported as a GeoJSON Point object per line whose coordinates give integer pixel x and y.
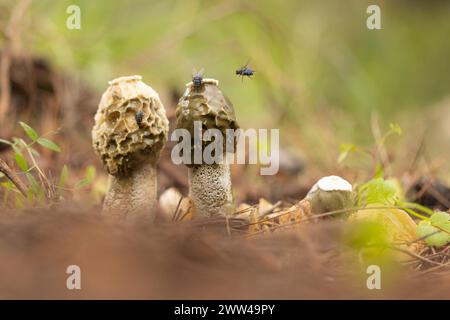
{"type": "Point", "coordinates": [244, 66]}
{"type": "Point", "coordinates": [199, 73]}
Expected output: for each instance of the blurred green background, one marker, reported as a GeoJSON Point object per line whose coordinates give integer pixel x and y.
{"type": "Point", "coordinates": [320, 73]}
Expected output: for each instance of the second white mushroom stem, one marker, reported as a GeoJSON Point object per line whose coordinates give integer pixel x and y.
{"type": "Point", "coordinates": [210, 189]}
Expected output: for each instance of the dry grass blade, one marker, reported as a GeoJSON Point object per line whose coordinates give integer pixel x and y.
{"type": "Point", "coordinates": [186, 213]}
{"type": "Point", "coordinates": [177, 209]}
{"type": "Point", "coordinates": [424, 259]}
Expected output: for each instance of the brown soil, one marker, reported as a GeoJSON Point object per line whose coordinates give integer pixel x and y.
{"type": "Point", "coordinates": [180, 261]}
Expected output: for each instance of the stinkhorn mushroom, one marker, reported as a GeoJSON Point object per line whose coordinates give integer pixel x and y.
{"type": "Point", "coordinates": [209, 184]}
{"type": "Point", "coordinates": [130, 130]}
{"type": "Point", "coordinates": [329, 194]}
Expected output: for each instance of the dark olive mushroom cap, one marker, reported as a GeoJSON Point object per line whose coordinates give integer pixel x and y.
{"type": "Point", "coordinates": [118, 139]}
{"type": "Point", "coordinates": [208, 105]}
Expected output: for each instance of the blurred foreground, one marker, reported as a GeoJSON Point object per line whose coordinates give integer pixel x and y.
{"type": "Point", "coordinates": [130, 261]}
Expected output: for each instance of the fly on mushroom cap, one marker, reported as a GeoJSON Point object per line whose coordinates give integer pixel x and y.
{"type": "Point", "coordinates": [118, 138]}
{"type": "Point", "coordinates": [209, 106]}
{"type": "Point", "coordinates": [209, 184]}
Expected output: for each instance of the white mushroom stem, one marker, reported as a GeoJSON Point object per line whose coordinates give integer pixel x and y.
{"type": "Point", "coordinates": [134, 195]}
{"type": "Point", "coordinates": [329, 194]}
{"type": "Point", "coordinates": [210, 189]}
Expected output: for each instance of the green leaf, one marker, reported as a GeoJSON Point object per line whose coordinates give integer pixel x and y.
{"type": "Point", "coordinates": [2, 175]}
{"type": "Point", "coordinates": [30, 195]}
{"type": "Point", "coordinates": [345, 150]}
{"type": "Point", "coordinates": [436, 229]}
{"type": "Point", "coordinates": [63, 176]}
{"type": "Point", "coordinates": [87, 180]}
{"type": "Point", "coordinates": [18, 201]}
{"type": "Point", "coordinates": [29, 131]}
{"type": "Point", "coordinates": [48, 144]}
{"type": "Point", "coordinates": [8, 185]}
{"type": "Point", "coordinates": [379, 173]}
{"type": "Point", "coordinates": [439, 219]}
{"type": "Point", "coordinates": [21, 161]}
{"type": "Point", "coordinates": [90, 172]}
{"type": "Point", "coordinates": [395, 127]}
{"type": "Point", "coordinates": [82, 183]}
{"type": "Point", "coordinates": [33, 184]}
{"type": "Point", "coordinates": [378, 191]}
{"type": "Point", "coordinates": [432, 234]}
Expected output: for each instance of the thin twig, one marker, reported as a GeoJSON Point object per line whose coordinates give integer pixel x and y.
{"type": "Point", "coordinates": [443, 266]}
{"type": "Point", "coordinates": [415, 255]}
{"type": "Point", "coordinates": [423, 238]}
{"type": "Point", "coordinates": [325, 214]}
{"type": "Point", "coordinates": [270, 209]}
{"type": "Point", "coordinates": [12, 176]}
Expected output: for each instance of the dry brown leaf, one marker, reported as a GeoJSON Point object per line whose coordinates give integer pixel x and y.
{"type": "Point", "coordinates": [263, 206]}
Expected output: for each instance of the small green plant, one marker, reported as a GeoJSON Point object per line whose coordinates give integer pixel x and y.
{"type": "Point", "coordinates": [378, 189]}
{"type": "Point", "coordinates": [389, 193]}
{"type": "Point", "coordinates": [40, 189]}
{"type": "Point", "coordinates": [434, 227]}
{"type": "Point", "coordinates": [375, 153]}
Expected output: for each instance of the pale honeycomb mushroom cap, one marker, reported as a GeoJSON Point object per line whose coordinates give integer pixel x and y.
{"type": "Point", "coordinates": [209, 105]}
{"type": "Point", "coordinates": [117, 137]}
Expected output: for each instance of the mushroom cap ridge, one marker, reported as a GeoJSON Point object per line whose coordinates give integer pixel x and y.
{"type": "Point", "coordinates": [120, 141]}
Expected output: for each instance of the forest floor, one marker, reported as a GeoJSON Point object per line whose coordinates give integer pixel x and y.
{"type": "Point", "coordinates": [184, 260]}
